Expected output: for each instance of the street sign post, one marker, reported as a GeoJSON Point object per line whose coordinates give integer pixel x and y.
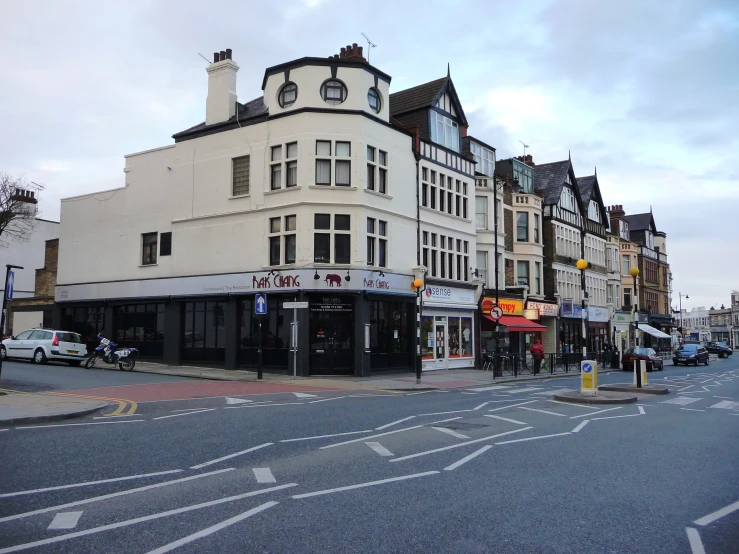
{"type": "Point", "coordinates": [7, 295]}
{"type": "Point", "coordinates": [260, 309]}
{"type": "Point", "coordinates": [496, 312]}
{"type": "Point", "coordinates": [294, 306]}
{"type": "Point", "coordinates": [260, 304]}
{"type": "Point", "coordinates": [588, 378]}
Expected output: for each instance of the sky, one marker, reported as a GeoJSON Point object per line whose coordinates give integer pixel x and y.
{"type": "Point", "coordinates": [646, 92]}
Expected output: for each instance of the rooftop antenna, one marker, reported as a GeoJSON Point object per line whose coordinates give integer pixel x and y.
{"type": "Point", "coordinates": [370, 45]}
{"type": "Point", "coordinates": [525, 146]}
{"type": "Point", "coordinates": [206, 59]}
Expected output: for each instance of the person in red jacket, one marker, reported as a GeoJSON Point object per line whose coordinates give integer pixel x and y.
{"type": "Point", "coordinates": [537, 351]}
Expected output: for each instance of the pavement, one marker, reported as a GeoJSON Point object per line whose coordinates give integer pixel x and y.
{"type": "Point", "coordinates": [18, 408]}
{"type": "Point", "coordinates": [495, 469]}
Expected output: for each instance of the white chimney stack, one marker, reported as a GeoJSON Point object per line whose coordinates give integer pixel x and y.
{"type": "Point", "coordinates": [221, 102]}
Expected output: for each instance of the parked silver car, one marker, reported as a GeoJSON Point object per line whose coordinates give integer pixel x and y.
{"type": "Point", "coordinates": [41, 345]}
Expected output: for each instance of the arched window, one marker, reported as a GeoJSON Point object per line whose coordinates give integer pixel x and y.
{"type": "Point", "coordinates": [288, 95]}
{"type": "Point", "coordinates": [373, 97]}
{"type": "Point", "coordinates": [333, 91]}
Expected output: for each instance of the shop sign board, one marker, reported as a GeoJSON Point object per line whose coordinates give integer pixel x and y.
{"type": "Point", "coordinates": [509, 306]}
{"type": "Point", "coordinates": [333, 304]}
{"type": "Point", "coordinates": [545, 309]}
{"type": "Point", "coordinates": [448, 295]}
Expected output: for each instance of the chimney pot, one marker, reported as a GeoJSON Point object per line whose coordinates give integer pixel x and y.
{"type": "Point", "coordinates": [228, 53]}
{"type": "Point", "coordinates": [360, 51]}
{"type": "Point", "coordinates": [343, 52]}
{"type": "Point", "coordinates": [354, 46]}
{"type": "Point", "coordinates": [223, 55]}
{"type": "Point", "coordinates": [215, 57]}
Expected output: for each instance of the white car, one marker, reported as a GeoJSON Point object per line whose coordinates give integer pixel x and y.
{"type": "Point", "coordinates": [42, 345]}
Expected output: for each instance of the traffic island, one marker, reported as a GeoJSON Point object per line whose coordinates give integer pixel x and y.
{"type": "Point", "coordinates": [645, 389]}
{"type": "Point", "coordinates": [21, 408]}
{"type": "Point", "coordinates": [575, 397]}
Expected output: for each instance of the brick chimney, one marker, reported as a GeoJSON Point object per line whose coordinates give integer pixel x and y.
{"type": "Point", "coordinates": [23, 195]}
{"type": "Point", "coordinates": [616, 213]}
{"type": "Point", "coordinates": [221, 102]}
{"type": "Point", "coordinates": [527, 159]}
{"type": "Point", "coordinates": [351, 53]}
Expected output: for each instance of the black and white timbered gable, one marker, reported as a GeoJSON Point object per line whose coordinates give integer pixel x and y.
{"type": "Point", "coordinates": [562, 199]}
{"type": "Point", "coordinates": [596, 216]}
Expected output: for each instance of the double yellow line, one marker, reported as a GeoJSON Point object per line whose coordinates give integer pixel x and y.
{"type": "Point", "coordinates": [119, 411]}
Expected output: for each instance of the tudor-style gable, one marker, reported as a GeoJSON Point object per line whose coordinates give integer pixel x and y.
{"type": "Point", "coordinates": [596, 217]}
{"type": "Point", "coordinates": [562, 198]}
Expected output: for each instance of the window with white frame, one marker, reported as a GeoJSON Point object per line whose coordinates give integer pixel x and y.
{"type": "Point", "coordinates": [522, 226]}
{"type": "Point", "coordinates": [567, 199]}
{"type": "Point", "coordinates": [330, 231]}
{"type": "Point", "coordinates": [481, 212]}
{"type": "Point", "coordinates": [537, 278]}
{"type": "Point", "coordinates": [444, 131]}
{"type": "Point", "coordinates": [376, 170]}
{"type": "Point", "coordinates": [482, 266]}
{"type": "Point", "coordinates": [537, 237]}
{"type": "Point", "coordinates": [593, 211]}
{"type": "Point", "coordinates": [336, 155]}
{"type": "Point", "coordinates": [333, 91]}
{"type": "Point", "coordinates": [284, 170]}
{"type": "Point", "coordinates": [525, 176]}
{"type": "Point", "coordinates": [282, 240]}
{"type": "Point", "coordinates": [376, 242]}
{"type": "Point", "coordinates": [522, 271]}
{"type": "Point", "coordinates": [484, 157]}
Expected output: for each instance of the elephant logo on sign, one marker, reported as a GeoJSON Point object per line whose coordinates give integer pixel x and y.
{"type": "Point", "coordinates": [332, 278]}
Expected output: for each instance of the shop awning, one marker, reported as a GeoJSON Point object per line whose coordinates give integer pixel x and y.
{"type": "Point", "coordinates": [652, 331]}
{"type": "Point", "coordinates": [518, 323]}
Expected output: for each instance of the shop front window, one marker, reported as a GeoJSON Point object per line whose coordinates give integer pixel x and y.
{"type": "Point", "coordinates": [88, 321]}
{"type": "Point", "coordinates": [275, 333]}
{"type": "Point", "coordinates": [390, 343]}
{"type": "Point", "coordinates": [454, 337]}
{"type": "Point", "coordinates": [427, 338]}
{"type": "Point", "coordinates": [466, 337]}
{"type": "Point", "coordinates": [140, 326]}
{"type": "Point", "coordinates": [204, 332]}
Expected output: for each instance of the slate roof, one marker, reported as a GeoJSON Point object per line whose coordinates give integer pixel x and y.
{"type": "Point", "coordinates": [247, 112]}
{"type": "Point", "coordinates": [586, 186]}
{"type": "Point", "coordinates": [550, 178]}
{"type": "Point", "coordinates": [416, 98]}
{"type": "Point", "coordinates": [641, 222]}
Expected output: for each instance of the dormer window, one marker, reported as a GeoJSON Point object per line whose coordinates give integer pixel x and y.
{"type": "Point", "coordinates": [373, 97]}
{"type": "Point", "coordinates": [288, 95]}
{"type": "Point", "coordinates": [333, 91]}
{"type": "Point", "coordinates": [567, 199]}
{"type": "Point", "coordinates": [593, 212]}
{"type": "Point", "coordinates": [444, 131]}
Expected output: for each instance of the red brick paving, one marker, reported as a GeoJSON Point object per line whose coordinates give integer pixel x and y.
{"type": "Point", "coordinates": [185, 390]}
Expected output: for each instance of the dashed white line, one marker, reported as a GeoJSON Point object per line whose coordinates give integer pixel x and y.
{"type": "Point", "coordinates": [444, 413]}
{"type": "Point", "coordinates": [88, 483]}
{"type": "Point", "coordinates": [381, 450]}
{"type": "Point", "coordinates": [327, 436]}
{"type": "Point", "coordinates": [184, 414]}
{"type": "Point", "coordinates": [362, 485]}
{"type": "Point", "coordinates": [264, 405]}
{"type": "Point", "coordinates": [593, 413]}
{"type": "Point", "coordinates": [534, 438]}
{"type": "Point", "coordinates": [511, 406]}
{"type": "Point", "coordinates": [641, 410]}
{"type": "Point", "coordinates": [263, 475]}
{"type": "Point", "coordinates": [710, 518]}
{"type": "Point", "coordinates": [451, 432]}
{"type": "Point", "coordinates": [212, 529]}
{"type": "Point", "coordinates": [692, 410]}
{"type": "Point", "coordinates": [304, 395]}
{"type": "Point", "coordinates": [415, 393]}
{"type": "Point", "coordinates": [242, 452]}
{"type": "Point", "coordinates": [481, 406]}
{"type": "Point", "coordinates": [494, 387]}
{"type": "Point", "coordinates": [580, 426]}
{"type": "Point", "coordinates": [509, 420]}
{"type": "Point", "coordinates": [107, 496]}
{"type": "Point", "coordinates": [575, 404]}
{"type": "Point", "coordinates": [371, 437]}
{"type": "Point", "coordinates": [542, 411]}
{"type": "Point", "coordinates": [381, 427]}
{"type": "Point", "coordinates": [467, 458]}
{"type": "Point", "coordinates": [696, 545]}
{"type": "Point", "coordinates": [326, 399]}
{"type": "Point", "coordinates": [65, 520]}
{"type": "Point", "coordinates": [460, 445]}
{"type": "Point", "coordinates": [618, 416]}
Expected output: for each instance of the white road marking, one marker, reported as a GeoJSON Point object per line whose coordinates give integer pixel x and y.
{"type": "Point", "coordinates": [467, 392]}
{"type": "Point", "coordinates": [88, 483]}
{"type": "Point", "coordinates": [326, 399]}
{"type": "Point", "coordinates": [381, 427]}
{"type": "Point", "coordinates": [186, 413]}
{"type": "Point", "coordinates": [696, 544]}
{"type": "Point", "coordinates": [211, 462]}
{"type": "Point", "coordinates": [686, 388]}
{"type": "Point", "coordinates": [534, 438]}
{"type": "Point", "coordinates": [618, 416]}
{"type": "Point", "coordinates": [4, 430]}
{"type": "Point", "coordinates": [593, 413]}
{"type": "Point", "coordinates": [362, 485]}
{"type": "Point", "coordinates": [705, 389]}
{"type": "Point", "coordinates": [237, 400]}
{"type": "Point", "coordinates": [304, 395]}
{"type": "Point", "coordinates": [78, 424]}
{"type": "Point", "coordinates": [381, 450]}
{"type": "Point", "coordinates": [451, 432]}
{"type": "Point", "coordinates": [641, 410]}
{"type": "Point", "coordinates": [65, 520]}
{"type": "Point", "coordinates": [582, 424]}
{"type": "Point", "coordinates": [369, 395]}
{"type": "Point", "coordinates": [692, 410]}
{"type": "Point", "coordinates": [710, 518]}
{"type": "Point", "coordinates": [725, 397]}
{"type": "Point", "coordinates": [111, 495]}
{"type": "Point", "coordinates": [494, 387]}
{"type": "Point", "coordinates": [511, 406]}
{"type": "Point", "coordinates": [467, 458]}
{"type": "Point", "coordinates": [574, 404]}
{"type": "Point", "coordinates": [509, 420]}
{"type": "Point", "coordinates": [326, 436]}
{"type": "Point", "coordinates": [265, 405]}
{"type": "Point", "coordinates": [263, 475]}
{"type": "Point", "coordinates": [706, 381]}
{"type": "Point", "coordinates": [460, 445]}
{"type": "Point", "coordinates": [553, 391]}
{"type": "Point", "coordinates": [681, 400]}
{"type": "Point", "coordinates": [481, 406]}
{"type": "Point", "coordinates": [371, 437]}
{"type": "Point", "coordinates": [727, 405]}
{"type": "Point", "coordinates": [415, 393]}
{"type": "Point", "coordinates": [212, 529]}
{"type": "Point", "coordinates": [542, 411]}
{"type": "Point", "coordinates": [444, 413]}
{"type": "Point", "coordinates": [524, 389]}
{"type": "Point", "coordinates": [151, 517]}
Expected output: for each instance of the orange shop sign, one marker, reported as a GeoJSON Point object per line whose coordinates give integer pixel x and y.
{"type": "Point", "coordinates": [509, 306]}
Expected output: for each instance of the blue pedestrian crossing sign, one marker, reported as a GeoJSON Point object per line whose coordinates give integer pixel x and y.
{"type": "Point", "coordinates": [260, 304]}
{"type": "Point", "coordinates": [9, 284]}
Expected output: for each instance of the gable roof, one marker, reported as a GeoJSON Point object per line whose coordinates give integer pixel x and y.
{"type": "Point", "coordinates": [423, 97]}
{"type": "Point", "coordinates": [248, 113]}
{"type": "Point", "coordinates": [550, 178]}
{"type": "Point", "coordinates": [641, 222]}
{"type": "Point", "coordinates": [586, 186]}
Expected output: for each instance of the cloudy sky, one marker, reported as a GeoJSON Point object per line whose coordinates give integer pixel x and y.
{"type": "Point", "coordinates": [646, 91]}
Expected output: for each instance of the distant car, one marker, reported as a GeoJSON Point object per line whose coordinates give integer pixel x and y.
{"type": "Point", "coordinates": [41, 345]}
{"type": "Point", "coordinates": [690, 354]}
{"type": "Point", "coordinates": [634, 355]}
{"type": "Point", "coordinates": [721, 348]}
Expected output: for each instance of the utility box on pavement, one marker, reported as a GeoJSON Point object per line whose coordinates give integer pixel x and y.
{"type": "Point", "coordinates": [588, 377]}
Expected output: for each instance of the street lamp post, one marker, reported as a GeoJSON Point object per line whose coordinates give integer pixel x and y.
{"type": "Point", "coordinates": [582, 265]}
{"type": "Point", "coordinates": [418, 285]}
{"type": "Point", "coordinates": [682, 330]}
{"type": "Point", "coordinates": [8, 267]}
{"type": "Point", "coordinates": [634, 271]}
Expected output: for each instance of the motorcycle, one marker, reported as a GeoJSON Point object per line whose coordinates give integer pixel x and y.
{"type": "Point", "coordinates": [123, 358]}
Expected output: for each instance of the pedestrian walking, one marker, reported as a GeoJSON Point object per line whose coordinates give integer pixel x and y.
{"type": "Point", "coordinates": [537, 351]}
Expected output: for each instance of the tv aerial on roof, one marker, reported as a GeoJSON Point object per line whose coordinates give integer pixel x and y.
{"type": "Point", "coordinates": [525, 146]}
{"type": "Point", "coordinates": [370, 45]}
